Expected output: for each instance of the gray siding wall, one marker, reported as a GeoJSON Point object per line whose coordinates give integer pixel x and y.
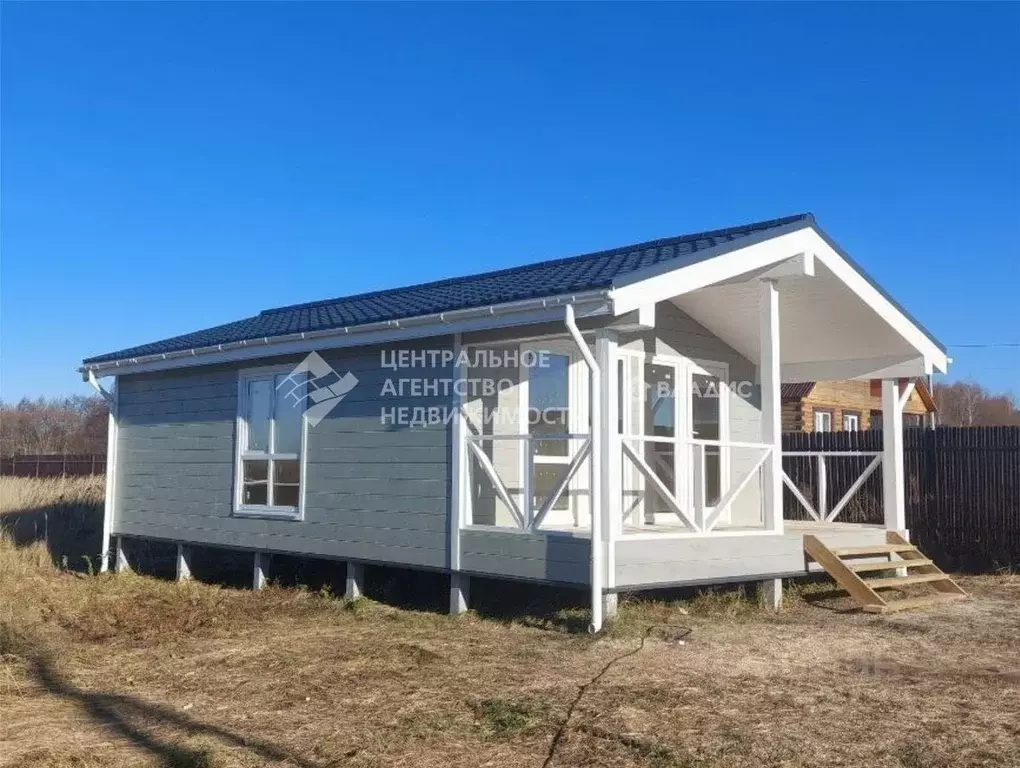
{"type": "Point", "coordinates": [560, 558]}
{"type": "Point", "coordinates": [373, 492]}
{"type": "Point", "coordinates": [647, 562]}
{"type": "Point", "coordinates": [381, 493]}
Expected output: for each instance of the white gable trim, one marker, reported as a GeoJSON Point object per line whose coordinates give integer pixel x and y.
{"type": "Point", "coordinates": [933, 354]}
{"type": "Point", "coordinates": [797, 249]}
{"type": "Point", "coordinates": [658, 284]}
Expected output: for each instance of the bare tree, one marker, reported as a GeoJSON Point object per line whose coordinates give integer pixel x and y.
{"type": "Point", "coordinates": [57, 425]}
{"type": "Point", "coordinates": [968, 404]}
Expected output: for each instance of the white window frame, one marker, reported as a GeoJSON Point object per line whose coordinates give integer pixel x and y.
{"type": "Point", "coordinates": [853, 417]}
{"type": "Point", "coordinates": [244, 377]}
{"type": "Point", "coordinates": [816, 420]}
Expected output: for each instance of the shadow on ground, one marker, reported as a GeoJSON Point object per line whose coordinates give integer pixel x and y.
{"type": "Point", "coordinates": [72, 532]}
{"type": "Point", "coordinates": [131, 717]}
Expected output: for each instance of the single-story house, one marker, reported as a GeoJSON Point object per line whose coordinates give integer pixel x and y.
{"type": "Point", "coordinates": [848, 406]}
{"type": "Point", "coordinates": [610, 421]}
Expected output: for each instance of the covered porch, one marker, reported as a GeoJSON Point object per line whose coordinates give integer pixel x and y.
{"type": "Point", "coordinates": [655, 430]}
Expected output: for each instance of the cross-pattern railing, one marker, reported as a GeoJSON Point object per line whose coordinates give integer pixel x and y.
{"type": "Point", "coordinates": [695, 516]}
{"type": "Point", "coordinates": [527, 515]}
{"type": "Point", "coordinates": [822, 514]}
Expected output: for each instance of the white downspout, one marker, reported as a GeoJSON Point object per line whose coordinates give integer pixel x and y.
{"type": "Point", "coordinates": [110, 497]}
{"type": "Point", "coordinates": [596, 458]}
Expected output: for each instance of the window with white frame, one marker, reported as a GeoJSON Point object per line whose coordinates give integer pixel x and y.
{"type": "Point", "coordinates": [270, 438]}
{"type": "Point", "coordinates": [851, 422]}
{"type": "Point", "coordinates": [823, 421]}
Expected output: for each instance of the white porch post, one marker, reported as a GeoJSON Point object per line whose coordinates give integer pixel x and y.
{"type": "Point", "coordinates": [771, 413]}
{"type": "Point", "coordinates": [611, 469]}
{"type": "Point", "coordinates": [893, 499]}
{"type": "Point", "coordinates": [594, 482]}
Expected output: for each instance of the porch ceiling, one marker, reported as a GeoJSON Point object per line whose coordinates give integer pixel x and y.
{"type": "Point", "coordinates": [826, 329]}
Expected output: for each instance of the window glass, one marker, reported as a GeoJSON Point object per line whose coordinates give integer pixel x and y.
{"type": "Point", "coordinates": [705, 410]}
{"type": "Point", "coordinates": [260, 399]}
{"type": "Point", "coordinates": [823, 421]}
{"type": "Point", "coordinates": [660, 401]}
{"type": "Point", "coordinates": [545, 479]}
{"type": "Point", "coordinates": [851, 422]}
{"type": "Point", "coordinates": [713, 475]}
{"type": "Point", "coordinates": [706, 421]}
{"type": "Point", "coordinates": [287, 416]}
{"type": "Point", "coordinates": [548, 403]}
{"type": "Point", "coordinates": [256, 482]}
{"type": "Point", "coordinates": [661, 457]}
{"type": "Point", "coordinates": [286, 479]}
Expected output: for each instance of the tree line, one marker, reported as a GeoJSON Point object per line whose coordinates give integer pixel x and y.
{"type": "Point", "coordinates": [67, 425]}
{"type": "Point", "coordinates": [968, 404]}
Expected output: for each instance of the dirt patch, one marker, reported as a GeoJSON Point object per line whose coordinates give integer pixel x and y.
{"type": "Point", "coordinates": [133, 671]}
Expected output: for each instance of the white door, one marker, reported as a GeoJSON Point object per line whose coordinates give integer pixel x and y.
{"type": "Point", "coordinates": [554, 401]}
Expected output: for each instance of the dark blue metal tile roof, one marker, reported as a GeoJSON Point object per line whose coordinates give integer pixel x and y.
{"type": "Point", "coordinates": [575, 274]}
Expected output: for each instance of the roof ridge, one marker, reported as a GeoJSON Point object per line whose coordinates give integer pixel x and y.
{"type": "Point", "coordinates": [658, 242]}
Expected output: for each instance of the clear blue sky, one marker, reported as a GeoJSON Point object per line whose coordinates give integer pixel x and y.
{"type": "Point", "coordinates": [167, 167]}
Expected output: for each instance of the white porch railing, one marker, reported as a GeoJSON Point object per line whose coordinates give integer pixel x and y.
{"type": "Point", "coordinates": [527, 515]}
{"type": "Point", "coordinates": [695, 516]}
{"type": "Point", "coordinates": [822, 514]}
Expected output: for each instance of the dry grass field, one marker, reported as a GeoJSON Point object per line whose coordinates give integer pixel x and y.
{"type": "Point", "coordinates": [130, 670]}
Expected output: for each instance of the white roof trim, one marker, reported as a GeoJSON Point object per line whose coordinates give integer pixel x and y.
{"type": "Point", "coordinates": [660, 283]}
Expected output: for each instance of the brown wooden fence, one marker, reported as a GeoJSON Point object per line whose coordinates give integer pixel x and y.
{"type": "Point", "coordinates": [53, 465]}
{"type": "Point", "coordinates": [962, 489]}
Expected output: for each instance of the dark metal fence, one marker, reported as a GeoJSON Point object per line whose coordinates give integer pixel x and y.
{"type": "Point", "coordinates": [962, 489]}
{"type": "Point", "coordinates": [53, 465]}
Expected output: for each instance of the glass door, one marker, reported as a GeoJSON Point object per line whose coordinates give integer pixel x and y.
{"type": "Point", "coordinates": [660, 431]}
{"type": "Point", "coordinates": [554, 397]}
{"type": "Point", "coordinates": [708, 397]}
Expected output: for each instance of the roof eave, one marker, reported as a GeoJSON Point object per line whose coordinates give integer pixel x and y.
{"type": "Point", "coordinates": [587, 304]}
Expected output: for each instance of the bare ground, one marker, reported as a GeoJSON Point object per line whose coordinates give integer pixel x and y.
{"type": "Point", "coordinates": [128, 670]}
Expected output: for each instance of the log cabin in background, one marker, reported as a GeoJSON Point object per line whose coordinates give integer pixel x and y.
{"type": "Point", "coordinates": [848, 406]}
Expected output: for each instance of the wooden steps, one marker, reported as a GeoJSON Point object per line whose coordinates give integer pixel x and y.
{"type": "Point", "coordinates": [905, 581]}
{"type": "Point", "coordinates": [872, 551]}
{"type": "Point", "coordinates": [889, 565]}
{"type": "Point", "coordinates": [902, 556]}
